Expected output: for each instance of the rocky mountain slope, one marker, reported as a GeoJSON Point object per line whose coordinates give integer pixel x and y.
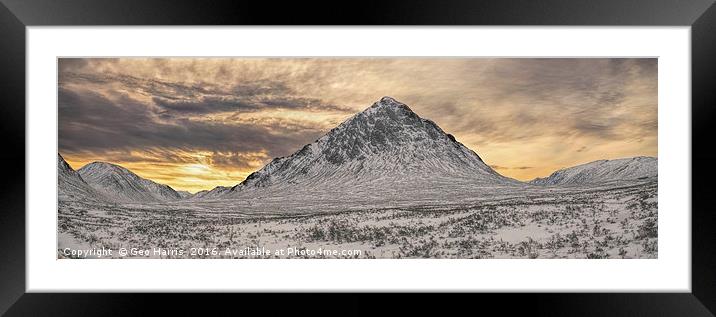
{"type": "Point", "coordinates": [382, 155]}
{"type": "Point", "coordinates": [122, 185]}
{"type": "Point", "coordinates": [217, 192]}
{"type": "Point", "coordinates": [602, 171]}
{"type": "Point", "coordinates": [184, 194]}
{"type": "Point", "coordinates": [386, 147]}
{"type": "Point", "coordinates": [71, 186]}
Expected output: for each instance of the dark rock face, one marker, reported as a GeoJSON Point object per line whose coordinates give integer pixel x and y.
{"type": "Point", "coordinates": [385, 125]}
{"type": "Point", "coordinates": [386, 141]}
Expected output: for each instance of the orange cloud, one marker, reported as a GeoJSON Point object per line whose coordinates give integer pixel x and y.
{"type": "Point", "coordinates": [196, 123]}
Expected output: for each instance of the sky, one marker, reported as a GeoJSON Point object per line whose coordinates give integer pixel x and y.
{"type": "Point", "coordinates": [198, 123]}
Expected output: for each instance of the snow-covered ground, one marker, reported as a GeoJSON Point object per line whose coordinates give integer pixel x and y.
{"type": "Point", "coordinates": [618, 220]}
{"type": "Point", "coordinates": [385, 183]}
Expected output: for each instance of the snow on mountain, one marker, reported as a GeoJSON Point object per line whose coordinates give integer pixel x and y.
{"type": "Point", "coordinates": [386, 147]}
{"type": "Point", "coordinates": [385, 154]}
{"type": "Point", "coordinates": [184, 194]}
{"type": "Point", "coordinates": [121, 184]}
{"type": "Point", "coordinates": [71, 186]}
{"type": "Point", "coordinates": [217, 192]}
{"type": "Point", "coordinates": [602, 171]}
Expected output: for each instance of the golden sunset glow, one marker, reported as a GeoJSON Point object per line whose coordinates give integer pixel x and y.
{"type": "Point", "coordinates": [186, 176]}
{"type": "Point", "coordinates": [198, 123]}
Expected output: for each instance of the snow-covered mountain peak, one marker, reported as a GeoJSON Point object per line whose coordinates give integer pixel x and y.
{"type": "Point", "coordinates": [122, 184]}
{"type": "Point", "coordinates": [387, 143]}
{"type": "Point", "coordinates": [389, 103]}
{"type": "Point", "coordinates": [71, 186]}
{"type": "Point", "coordinates": [104, 168]}
{"type": "Point", "coordinates": [389, 100]}
{"type": "Point", "coordinates": [388, 106]}
{"type": "Point", "coordinates": [386, 125]}
{"type": "Point", "coordinates": [218, 191]}
{"type": "Point", "coordinates": [602, 171]}
{"type": "Point", "coordinates": [63, 166]}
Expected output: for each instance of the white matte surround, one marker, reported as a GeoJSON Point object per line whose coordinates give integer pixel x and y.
{"type": "Point", "coordinates": [670, 272]}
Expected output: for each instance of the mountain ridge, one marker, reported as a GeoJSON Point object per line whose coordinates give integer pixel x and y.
{"type": "Point", "coordinates": [71, 186]}
{"type": "Point", "coordinates": [602, 171]}
{"type": "Point", "coordinates": [215, 192]}
{"type": "Point", "coordinates": [382, 143]}
{"type": "Point", "coordinates": [386, 150]}
{"type": "Point", "coordinates": [121, 184]}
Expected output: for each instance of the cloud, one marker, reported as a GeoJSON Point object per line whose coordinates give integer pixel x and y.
{"type": "Point", "coordinates": [526, 116]}
{"type": "Point", "coordinates": [204, 105]}
{"type": "Point", "coordinates": [91, 121]}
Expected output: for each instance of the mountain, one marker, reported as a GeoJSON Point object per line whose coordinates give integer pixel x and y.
{"type": "Point", "coordinates": [184, 194]}
{"type": "Point", "coordinates": [217, 192]}
{"type": "Point", "coordinates": [71, 186]}
{"type": "Point", "coordinates": [602, 171]}
{"type": "Point", "coordinates": [121, 185]}
{"type": "Point", "coordinates": [386, 147]}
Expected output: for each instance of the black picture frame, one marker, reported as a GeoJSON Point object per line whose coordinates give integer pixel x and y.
{"type": "Point", "coordinates": [16, 15]}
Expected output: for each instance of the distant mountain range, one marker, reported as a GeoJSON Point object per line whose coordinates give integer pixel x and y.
{"type": "Point", "coordinates": [602, 171]}
{"type": "Point", "coordinates": [385, 148]}
{"type": "Point", "coordinates": [217, 192]}
{"type": "Point", "coordinates": [71, 186]}
{"type": "Point", "coordinates": [100, 181]}
{"type": "Point", "coordinates": [122, 185]}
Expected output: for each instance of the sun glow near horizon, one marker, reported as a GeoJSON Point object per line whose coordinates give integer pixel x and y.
{"type": "Point", "coordinates": [195, 124]}
{"type": "Point", "coordinates": [191, 177]}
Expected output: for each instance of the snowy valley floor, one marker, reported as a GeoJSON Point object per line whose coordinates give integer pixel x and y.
{"type": "Point", "coordinates": [619, 221]}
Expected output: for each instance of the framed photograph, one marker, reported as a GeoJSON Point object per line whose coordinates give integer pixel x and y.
{"type": "Point", "coordinates": [539, 153]}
